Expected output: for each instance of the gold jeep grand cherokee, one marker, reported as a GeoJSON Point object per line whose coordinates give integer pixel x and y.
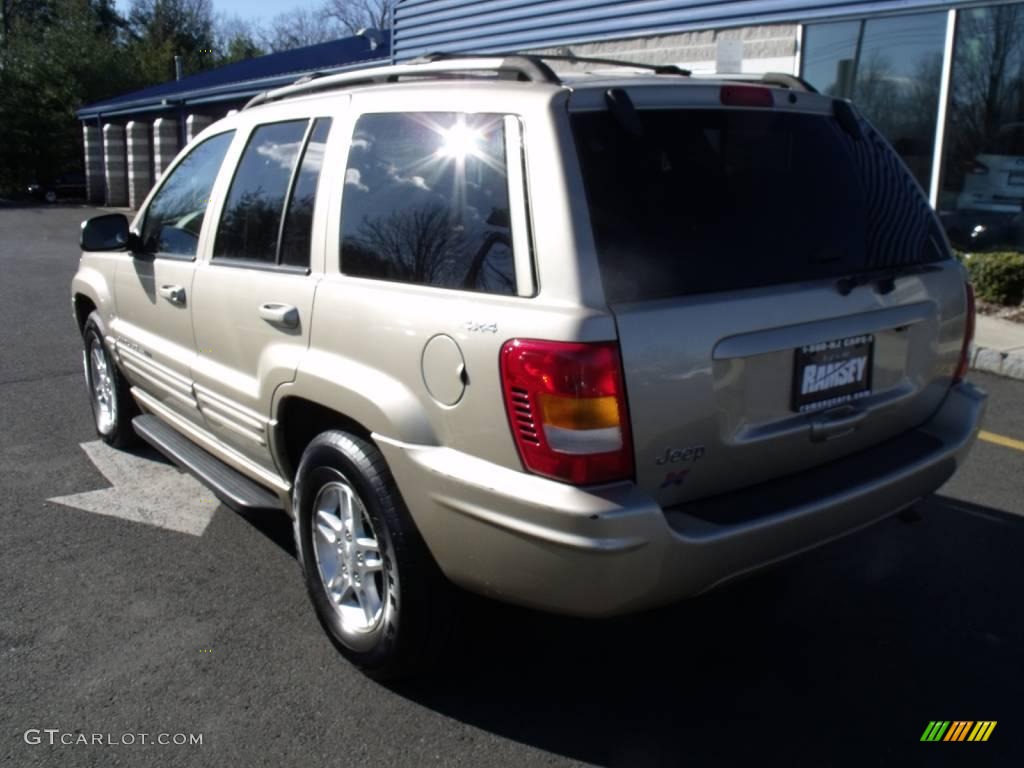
{"type": "Point", "coordinates": [589, 343]}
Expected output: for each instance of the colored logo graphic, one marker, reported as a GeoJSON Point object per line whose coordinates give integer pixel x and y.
{"type": "Point", "coordinates": [958, 730]}
{"type": "Point", "coordinates": [674, 478]}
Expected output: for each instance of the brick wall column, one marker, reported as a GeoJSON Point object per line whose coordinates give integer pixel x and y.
{"type": "Point", "coordinates": [93, 148]}
{"type": "Point", "coordinates": [165, 144]}
{"type": "Point", "coordinates": [195, 124]}
{"type": "Point", "coordinates": [114, 165]}
{"type": "Point", "coordinates": [140, 177]}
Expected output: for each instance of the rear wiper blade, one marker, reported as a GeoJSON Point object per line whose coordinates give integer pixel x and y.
{"type": "Point", "coordinates": [847, 119]}
{"type": "Point", "coordinates": [622, 109]}
{"type": "Point", "coordinates": [885, 279]}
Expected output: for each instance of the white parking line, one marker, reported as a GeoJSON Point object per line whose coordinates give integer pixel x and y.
{"type": "Point", "coordinates": [145, 491]}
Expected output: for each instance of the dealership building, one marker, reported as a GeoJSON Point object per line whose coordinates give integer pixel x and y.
{"type": "Point", "coordinates": [943, 81]}
{"type": "Point", "coordinates": [129, 140]}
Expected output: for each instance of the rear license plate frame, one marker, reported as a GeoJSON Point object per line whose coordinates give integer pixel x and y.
{"type": "Point", "coordinates": [837, 378]}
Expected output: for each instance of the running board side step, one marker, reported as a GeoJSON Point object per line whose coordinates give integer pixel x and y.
{"type": "Point", "coordinates": [233, 488]}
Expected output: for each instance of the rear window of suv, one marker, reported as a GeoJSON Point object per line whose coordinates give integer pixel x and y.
{"type": "Point", "coordinates": [709, 200]}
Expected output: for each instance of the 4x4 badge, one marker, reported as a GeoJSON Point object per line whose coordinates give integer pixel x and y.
{"type": "Point", "coordinates": [477, 327]}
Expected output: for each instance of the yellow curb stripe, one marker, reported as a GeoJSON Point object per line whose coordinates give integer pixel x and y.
{"type": "Point", "coordinates": [1006, 442]}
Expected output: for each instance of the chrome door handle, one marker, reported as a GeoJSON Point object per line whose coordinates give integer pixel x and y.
{"type": "Point", "coordinates": [283, 315]}
{"type": "Point", "coordinates": [173, 293]}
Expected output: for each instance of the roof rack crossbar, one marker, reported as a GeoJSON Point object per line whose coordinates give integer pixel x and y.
{"type": "Point", "coordinates": [539, 59]}
{"type": "Point", "coordinates": [658, 69]}
{"type": "Point", "coordinates": [526, 66]}
{"type": "Point", "coordinates": [438, 65]}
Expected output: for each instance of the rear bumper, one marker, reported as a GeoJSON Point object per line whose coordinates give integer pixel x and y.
{"type": "Point", "coordinates": [613, 550]}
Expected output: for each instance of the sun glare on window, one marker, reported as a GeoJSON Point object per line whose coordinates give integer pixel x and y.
{"type": "Point", "coordinates": [460, 141]}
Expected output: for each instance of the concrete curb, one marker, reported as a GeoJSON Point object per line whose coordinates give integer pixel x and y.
{"type": "Point", "coordinates": [995, 361]}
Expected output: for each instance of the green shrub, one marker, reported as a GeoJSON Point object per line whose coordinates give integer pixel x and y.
{"type": "Point", "coordinates": [998, 277]}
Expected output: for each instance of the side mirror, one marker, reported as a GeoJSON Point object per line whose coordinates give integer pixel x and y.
{"type": "Point", "coordinates": [107, 233]}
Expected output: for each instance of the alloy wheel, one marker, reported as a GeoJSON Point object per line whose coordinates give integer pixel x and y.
{"type": "Point", "coordinates": [348, 559]}
{"type": "Point", "coordinates": [101, 379]}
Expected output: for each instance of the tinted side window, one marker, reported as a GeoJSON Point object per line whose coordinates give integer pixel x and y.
{"type": "Point", "coordinates": [251, 220]}
{"type": "Point", "coordinates": [426, 201]}
{"type": "Point", "coordinates": [176, 213]}
{"type": "Point", "coordinates": [298, 222]}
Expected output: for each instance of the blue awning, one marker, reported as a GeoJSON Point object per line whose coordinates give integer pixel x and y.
{"type": "Point", "coordinates": [243, 79]}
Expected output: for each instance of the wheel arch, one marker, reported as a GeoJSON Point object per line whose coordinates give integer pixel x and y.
{"type": "Point", "coordinates": [342, 394]}
{"type": "Point", "coordinates": [298, 420]}
{"type": "Point", "coordinates": [90, 292]}
{"type": "Point", "coordinates": [83, 307]}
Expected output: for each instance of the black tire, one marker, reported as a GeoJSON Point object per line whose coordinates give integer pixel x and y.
{"type": "Point", "coordinates": [417, 601]}
{"type": "Point", "coordinates": [115, 430]}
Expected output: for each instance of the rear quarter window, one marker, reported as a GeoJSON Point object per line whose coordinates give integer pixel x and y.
{"type": "Point", "coordinates": [426, 201]}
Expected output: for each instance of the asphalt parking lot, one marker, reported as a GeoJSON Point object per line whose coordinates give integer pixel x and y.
{"type": "Point", "coordinates": [118, 626]}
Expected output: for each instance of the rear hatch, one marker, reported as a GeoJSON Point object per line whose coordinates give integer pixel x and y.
{"type": "Point", "coordinates": [783, 293]}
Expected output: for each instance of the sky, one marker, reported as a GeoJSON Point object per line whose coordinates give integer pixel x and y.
{"type": "Point", "coordinates": [251, 10]}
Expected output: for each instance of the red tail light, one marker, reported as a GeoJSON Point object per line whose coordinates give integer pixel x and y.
{"type": "Point", "coordinates": [566, 405]}
{"type": "Point", "coordinates": [965, 351]}
{"type": "Point", "coordinates": [746, 96]}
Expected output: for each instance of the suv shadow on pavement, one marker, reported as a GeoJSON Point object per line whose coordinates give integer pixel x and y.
{"type": "Point", "coordinates": [840, 657]}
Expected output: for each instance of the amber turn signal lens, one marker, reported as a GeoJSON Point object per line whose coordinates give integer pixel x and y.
{"type": "Point", "coordinates": [579, 412]}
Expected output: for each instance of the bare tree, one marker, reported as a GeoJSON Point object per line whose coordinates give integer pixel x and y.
{"type": "Point", "coordinates": [300, 27]}
{"type": "Point", "coordinates": [875, 91]}
{"type": "Point", "coordinates": [988, 83]}
{"type": "Point", "coordinates": [425, 245]}
{"type": "Point", "coordinates": [417, 245]}
{"type": "Point", "coordinates": [354, 15]}
{"type": "Point", "coordinates": [236, 38]}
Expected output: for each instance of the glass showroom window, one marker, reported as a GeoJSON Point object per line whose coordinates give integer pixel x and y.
{"type": "Point", "coordinates": [983, 170]}
{"type": "Point", "coordinates": [891, 68]}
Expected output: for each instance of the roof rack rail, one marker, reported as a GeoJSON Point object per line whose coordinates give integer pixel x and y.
{"type": "Point", "coordinates": [527, 67]}
{"type": "Point", "coordinates": [506, 67]}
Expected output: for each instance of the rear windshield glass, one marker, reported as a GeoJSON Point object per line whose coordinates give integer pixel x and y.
{"type": "Point", "coordinates": [711, 200]}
